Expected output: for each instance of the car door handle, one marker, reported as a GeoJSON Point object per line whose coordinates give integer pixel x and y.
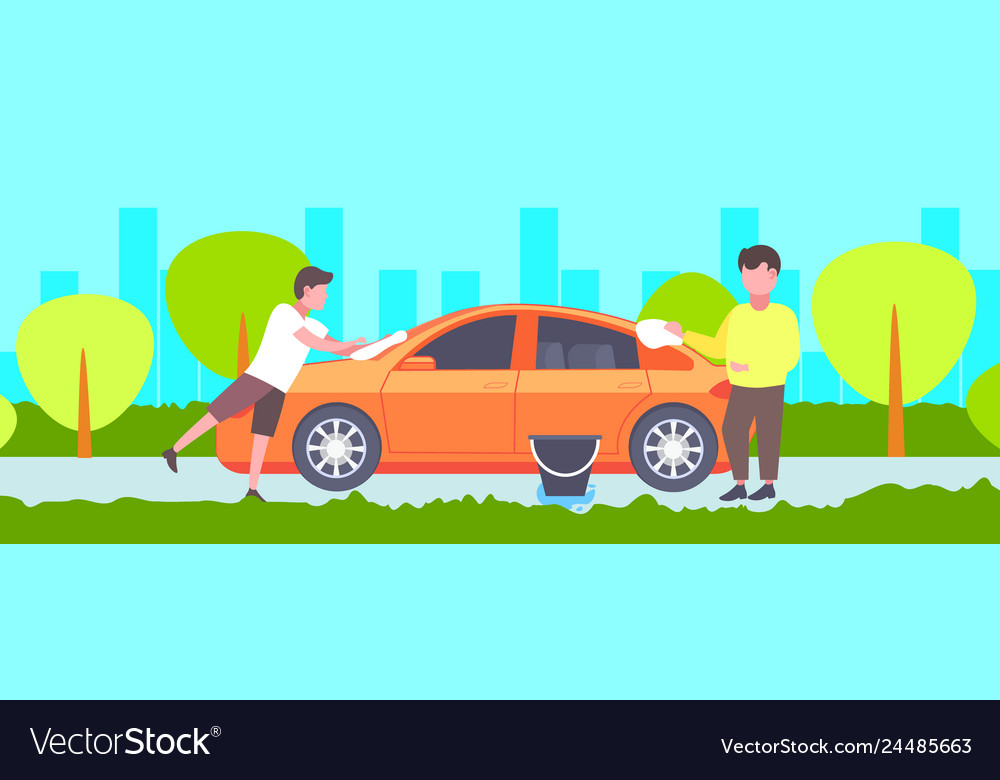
{"type": "Point", "coordinates": [629, 385]}
{"type": "Point", "coordinates": [494, 385]}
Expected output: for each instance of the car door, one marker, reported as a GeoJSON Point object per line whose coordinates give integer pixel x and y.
{"type": "Point", "coordinates": [586, 380]}
{"type": "Point", "coordinates": [462, 401]}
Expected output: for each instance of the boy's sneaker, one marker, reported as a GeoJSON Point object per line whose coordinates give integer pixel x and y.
{"type": "Point", "coordinates": [254, 494]}
{"type": "Point", "coordinates": [171, 457]}
{"type": "Point", "coordinates": [738, 492]}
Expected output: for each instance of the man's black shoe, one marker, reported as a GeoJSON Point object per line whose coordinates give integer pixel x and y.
{"type": "Point", "coordinates": [254, 494]}
{"type": "Point", "coordinates": [738, 492]}
{"type": "Point", "coordinates": [171, 458]}
{"type": "Point", "coordinates": [766, 491]}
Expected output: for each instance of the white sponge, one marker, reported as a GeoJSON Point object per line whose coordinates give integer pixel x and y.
{"type": "Point", "coordinates": [376, 348]}
{"type": "Point", "coordinates": [654, 335]}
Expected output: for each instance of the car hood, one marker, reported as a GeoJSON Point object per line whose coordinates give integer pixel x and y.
{"type": "Point", "coordinates": [346, 374]}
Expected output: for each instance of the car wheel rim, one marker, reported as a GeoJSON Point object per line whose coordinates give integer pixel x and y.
{"type": "Point", "coordinates": [336, 448]}
{"type": "Point", "coordinates": [674, 449]}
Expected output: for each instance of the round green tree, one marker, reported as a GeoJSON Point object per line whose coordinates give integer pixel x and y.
{"type": "Point", "coordinates": [84, 359]}
{"type": "Point", "coordinates": [8, 420]}
{"type": "Point", "coordinates": [893, 318]}
{"type": "Point", "coordinates": [221, 289]}
{"type": "Point", "coordinates": [981, 402]}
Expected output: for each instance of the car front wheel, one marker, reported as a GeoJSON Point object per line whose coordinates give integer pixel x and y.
{"type": "Point", "coordinates": [673, 447]}
{"type": "Point", "coordinates": [336, 447]}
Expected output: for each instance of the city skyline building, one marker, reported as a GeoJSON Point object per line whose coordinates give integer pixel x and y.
{"type": "Point", "coordinates": [12, 386]}
{"type": "Point", "coordinates": [539, 255]}
{"type": "Point", "coordinates": [787, 292]}
{"type": "Point", "coordinates": [738, 229]}
{"type": "Point", "coordinates": [176, 377]}
{"type": "Point", "coordinates": [177, 369]}
{"type": "Point", "coordinates": [397, 301]}
{"type": "Point", "coordinates": [982, 352]}
{"type": "Point", "coordinates": [820, 380]}
{"type": "Point", "coordinates": [324, 246]}
{"type": "Point", "coordinates": [580, 290]}
{"type": "Point", "coordinates": [57, 284]}
{"type": "Point", "coordinates": [939, 228]}
{"type": "Point", "coordinates": [137, 276]}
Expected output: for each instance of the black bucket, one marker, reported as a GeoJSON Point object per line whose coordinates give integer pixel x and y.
{"type": "Point", "coordinates": [565, 462]}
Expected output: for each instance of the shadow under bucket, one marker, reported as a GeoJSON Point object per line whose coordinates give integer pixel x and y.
{"type": "Point", "coordinates": [564, 462]}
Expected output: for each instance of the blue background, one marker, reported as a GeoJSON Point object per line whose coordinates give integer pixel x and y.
{"type": "Point", "coordinates": [499, 621]}
{"type": "Point", "coordinates": [431, 125]}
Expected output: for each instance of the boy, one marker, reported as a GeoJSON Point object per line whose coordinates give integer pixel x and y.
{"type": "Point", "coordinates": [288, 337]}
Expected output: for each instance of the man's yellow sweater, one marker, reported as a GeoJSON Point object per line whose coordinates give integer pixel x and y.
{"type": "Point", "coordinates": [767, 341]}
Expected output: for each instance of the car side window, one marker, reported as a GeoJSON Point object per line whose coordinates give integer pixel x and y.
{"type": "Point", "coordinates": [566, 343]}
{"type": "Point", "coordinates": [483, 344]}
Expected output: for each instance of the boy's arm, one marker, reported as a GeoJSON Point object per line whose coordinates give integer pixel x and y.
{"type": "Point", "coordinates": [710, 346]}
{"type": "Point", "coordinates": [326, 344]}
{"type": "Point", "coordinates": [343, 347]}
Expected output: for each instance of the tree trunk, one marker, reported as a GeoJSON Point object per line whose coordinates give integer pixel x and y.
{"type": "Point", "coordinates": [242, 356]}
{"type": "Point", "coordinates": [896, 440]}
{"type": "Point", "coordinates": [242, 348]}
{"type": "Point", "coordinates": [83, 413]}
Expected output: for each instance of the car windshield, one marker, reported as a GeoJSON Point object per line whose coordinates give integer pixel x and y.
{"type": "Point", "coordinates": [418, 330]}
{"type": "Point", "coordinates": [423, 327]}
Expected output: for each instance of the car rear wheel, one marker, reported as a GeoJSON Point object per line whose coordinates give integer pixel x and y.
{"type": "Point", "coordinates": [673, 447]}
{"type": "Point", "coordinates": [336, 447]}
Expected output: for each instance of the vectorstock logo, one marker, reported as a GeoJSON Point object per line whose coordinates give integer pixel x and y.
{"type": "Point", "coordinates": [137, 741]}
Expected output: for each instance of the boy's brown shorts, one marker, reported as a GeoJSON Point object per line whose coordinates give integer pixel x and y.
{"type": "Point", "coordinates": [245, 392]}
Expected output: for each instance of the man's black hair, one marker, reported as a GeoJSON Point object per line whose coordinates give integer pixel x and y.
{"type": "Point", "coordinates": [752, 258]}
{"type": "Point", "coordinates": [310, 276]}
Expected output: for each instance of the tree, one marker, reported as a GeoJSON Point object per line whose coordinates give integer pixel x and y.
{"type": "Point", "coordinates": [221, 290]}
{"type": "Point", "coordinates": [84, 359]}
{"type": "Point", "coordinates": [698, 302]}
{"type": "Point", "coordinates": [893, 318]}
{"type": "Point", "coordinates": [981, 403]}
{"type": "Point", "coordinates": [8, 420]}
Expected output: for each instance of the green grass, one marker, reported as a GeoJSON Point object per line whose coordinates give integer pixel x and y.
{"type": "Point", "coordinates": [141, 431]}
{"type": "Point", "coordinates": [808, 430]}
{"type": "Point", "coordinates": [887, 514]}
{"type": "Point", "coordinates": [860, 430]}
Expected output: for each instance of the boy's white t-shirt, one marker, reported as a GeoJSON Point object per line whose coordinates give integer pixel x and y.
{"type": "Point", "coordinates": [281, 355]}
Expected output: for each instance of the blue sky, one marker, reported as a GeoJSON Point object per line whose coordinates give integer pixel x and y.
{"type": "Point", "coordinates": [432, 123]}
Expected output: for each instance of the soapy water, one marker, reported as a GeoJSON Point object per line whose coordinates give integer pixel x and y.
{"type": "Point", "coordinates": [572, 503]}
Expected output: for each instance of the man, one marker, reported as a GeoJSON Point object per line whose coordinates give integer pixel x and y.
{"type": "Point", "coordinates": [288, 337]}
{"type": "Point", "coordinates": [760, 343]}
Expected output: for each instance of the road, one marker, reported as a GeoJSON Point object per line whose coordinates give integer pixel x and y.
{"type": "Point", "coordinates": [802, 481]}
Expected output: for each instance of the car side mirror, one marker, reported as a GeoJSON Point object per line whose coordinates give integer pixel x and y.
{"type": "Point", "coordinates": [422, 363]}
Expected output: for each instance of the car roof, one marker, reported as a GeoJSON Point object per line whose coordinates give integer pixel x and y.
{"type": "Point", "coordinates": [523, 308]}
{"type": "Point", "coordinates": [442, 322]}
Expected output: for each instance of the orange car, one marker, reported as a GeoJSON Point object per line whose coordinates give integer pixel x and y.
{"type": "Point", "coordinates": [464, 391]}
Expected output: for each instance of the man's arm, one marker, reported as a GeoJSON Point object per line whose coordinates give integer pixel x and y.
{"type": "Point", "coordinates": [327, 344]}
{"type": "Point", "coordinates": [790, 347]}
{"type": "Point", "coordinates": [710, 346]}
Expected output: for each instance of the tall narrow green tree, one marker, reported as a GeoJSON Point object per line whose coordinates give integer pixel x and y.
{"type": "Point", "coordinates": [221, 290]}
{"type": "Point", "coordinates": [893, 319]}
{"type": "Point", "coordinates": [84, 359]}
{"type": "Point", "coordinates": [8, 420]}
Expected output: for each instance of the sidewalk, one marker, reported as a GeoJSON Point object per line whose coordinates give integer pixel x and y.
{"type": "Point", "coordinates": [802, 481]}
